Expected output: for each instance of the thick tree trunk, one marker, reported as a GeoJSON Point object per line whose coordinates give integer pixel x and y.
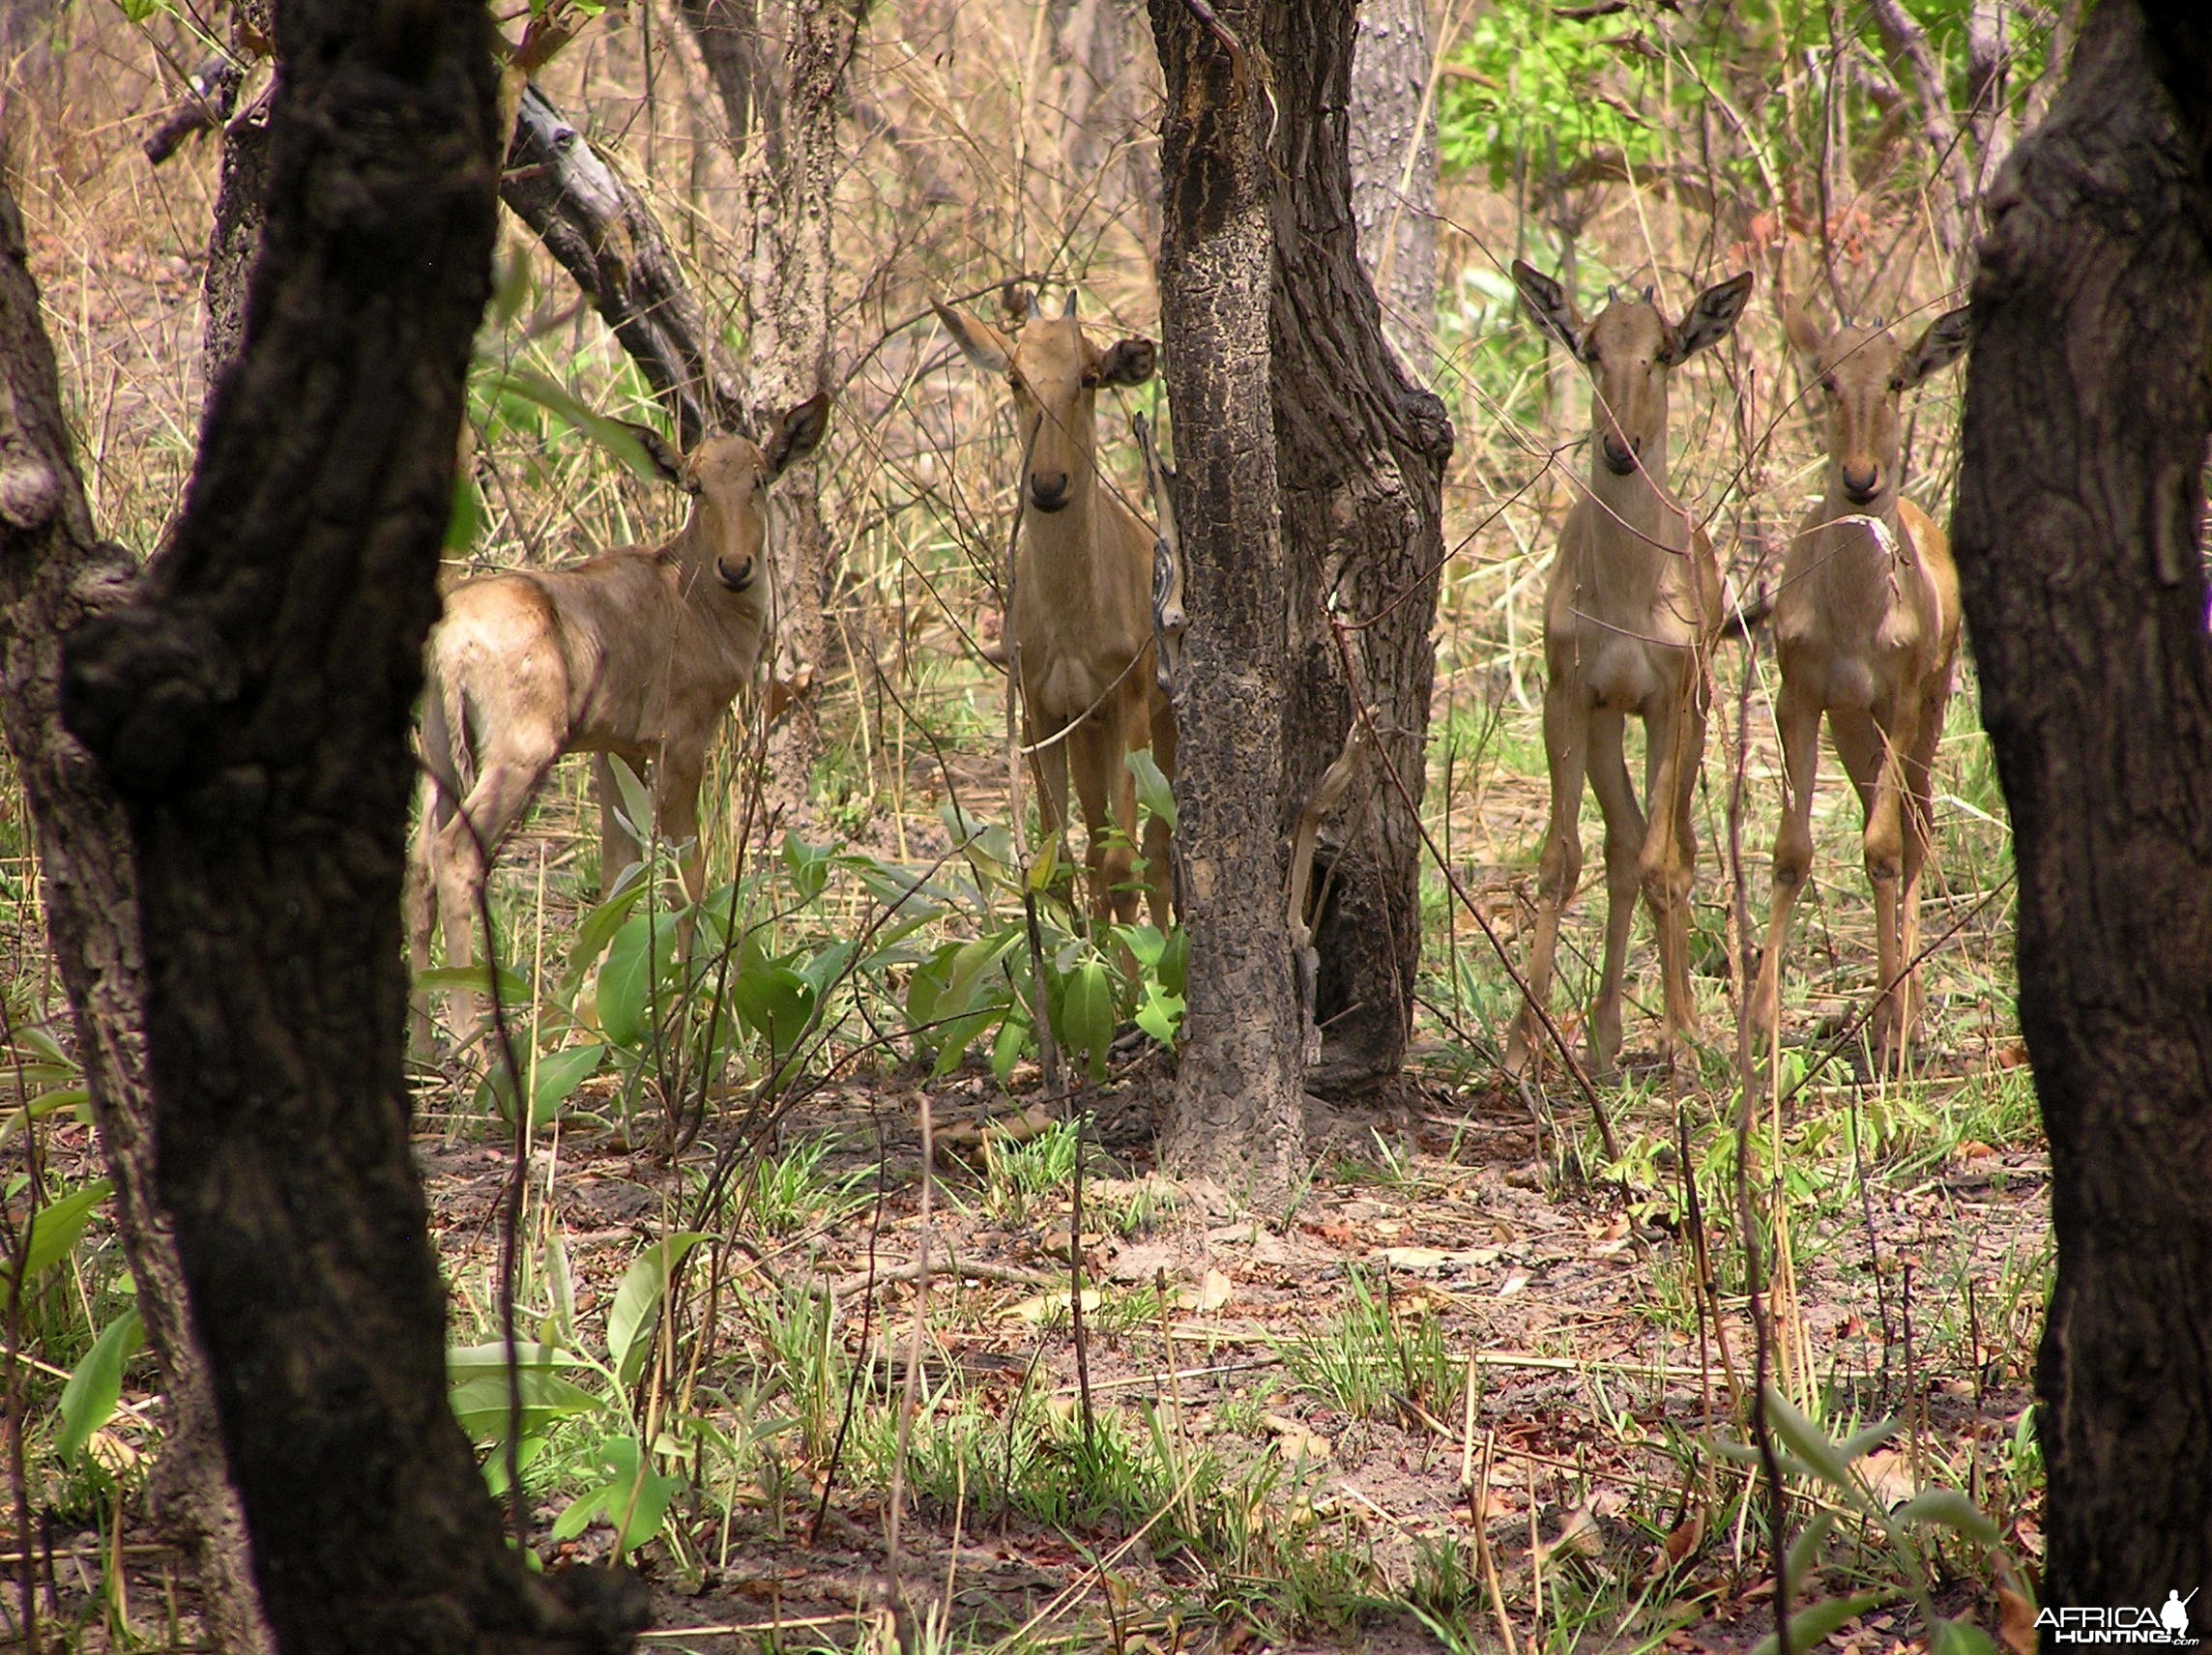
{"type": "Point", "coordinates": [787, 178]}
{"type": "Point", "coordinates": [2088, 401]}
{"type": "Point", "coordinates": [1361, 454]}
{"type": "Point", "coordinates": [1238, 1104]}
{"type": "Point", "coordinates": [249, 703]}
{"type": "Point", "coordinates": [1394, 174]}
{"type": "Point", "coordinates": [52, 575]}
{"type": "Point", "coordinates": [243, 185]}
{"type": "Point", "coordinates": [609, 242]}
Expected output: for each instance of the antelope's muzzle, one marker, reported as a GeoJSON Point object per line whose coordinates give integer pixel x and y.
{"type": "Point", "coordinates": [1619, 457]}
{"type": "Point", "coordinates": [736, 580]}
{"type": "Point", "coordinates": [1048, 491]}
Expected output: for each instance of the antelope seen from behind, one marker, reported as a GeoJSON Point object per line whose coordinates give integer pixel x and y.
{"type": "Point", "coordinates": [634, 653]}
{"type": "Point", "coordinates": [1633, 600]}
{"type": "Point", "coordinates": [1866, 630]}
{"type": "Point", "coordinates": [1080, 625]}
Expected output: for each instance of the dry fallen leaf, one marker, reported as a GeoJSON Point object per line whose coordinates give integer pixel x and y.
{"type": "Point", "coordinates": [2016, 1622]}
{"type": "Point", "coordinates": [1888, 1477]}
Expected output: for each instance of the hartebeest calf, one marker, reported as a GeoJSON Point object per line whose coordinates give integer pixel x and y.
{"type": "Point", "coordinates": [1866, 627]}
{"type": "Point", "coordinates": [1080, 627]}
{"type": "Point", "coordinates": [1633, 600]}
{"type": "Point", "coordinates": [634, 653]}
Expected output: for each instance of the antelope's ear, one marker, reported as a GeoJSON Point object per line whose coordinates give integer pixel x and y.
{"type": "Point", "coordinates": [797, 432]}
{"type": "Point", "coordinates": [1548, 302]}
{"type": "Point", "coordinates": [1128, 361]}
{"type": "Point", "coordinates": [667, 464]}
{"type": "Point", "coordinates": [980, 342]}
{"type": "Point", "coordinates": [1807, 337]}
{"type": "Point", "coordinates": [1946, 338]}
{"type": "Point", "coordinates": [1712, 318]}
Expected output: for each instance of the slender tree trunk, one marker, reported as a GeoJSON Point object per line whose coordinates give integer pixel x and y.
{"type": "Point", "coordinates": [242, 185]}
{"type": "Point", "coordinates": [1238, 1113]}
{"type": "Point", "coordinates": [1360, 455]}
{"type": "Point", "coordinates": [52, 575]}
{"type": "Point", "coordinates": [1394, 174]}
{"type": "Point", "coordinates": [788, 175]}
{"type": "Point", "coordinates": [249, 701]}
{"type": "Point", "coordinates": [2080, 495]}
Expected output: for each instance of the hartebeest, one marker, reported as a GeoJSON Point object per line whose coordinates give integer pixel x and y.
{"type": "Point", "coordinates": [634, 653]}
{"type": "Point", "coordinates": [1081, 629]}
{"type": "Point", "coordinates": [1866, 627]}
{"type": "Point", "coordinates": [1634, 598]}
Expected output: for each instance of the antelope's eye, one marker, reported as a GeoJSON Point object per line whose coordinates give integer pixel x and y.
{"type": "Point", "coordinates": [1091, 380]}
{"type": "Point", "coordinates": [1896, 385]}
{"type": "Point", "coordinates": [1828, 384]}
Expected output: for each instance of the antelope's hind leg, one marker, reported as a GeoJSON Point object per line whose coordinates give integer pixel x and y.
{"type": "Point", "coordinates": [1566, 755]}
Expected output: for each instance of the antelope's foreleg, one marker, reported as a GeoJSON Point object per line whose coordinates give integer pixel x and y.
{"type": "Point", "coordinates": [1798, 719]}
{"type": "Point", "coordinates": [1625, 834]}
{"type": "Point", "coordinates": [1566, 755]}
{"type": "Point", "coordinates": [1675, 743]}
{"type": "Point", "coordinates": [420, 903]}
{"type": "Point", "coordinates": [676, 800]}
{"type": "Point", "coordinates": [619, 847]}
{"type": "Point", "coordinates": [1872, 756]}
{"type": "Point", "coordinates": [1919, 837]}
{"type": "Point", "coordinates": [1108, 794]}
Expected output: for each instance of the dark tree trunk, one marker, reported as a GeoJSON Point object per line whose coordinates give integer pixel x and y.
{"type": "Point", "coordinates": [52, 575]}
{"type": "Point", "coordinates": [1238, 1104]}
{"type": "Point", "coordinates": [727, 33]}
{"type": "Point", "coordinates": [1361, 454]}
{"type": "Point", "coordinates": [2088, 401]}
{"type": "Point", "coordinates": [609, 242]}
{"type": "Point", "coordinates": [249, 703]}
{"type": "Point", "coordinates": [243, 183]}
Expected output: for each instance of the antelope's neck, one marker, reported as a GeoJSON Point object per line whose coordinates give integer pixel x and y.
{"type": "Point", "coordinates": [1058, 560]}
{"type": "Point", "coordinates": [1637, 522]}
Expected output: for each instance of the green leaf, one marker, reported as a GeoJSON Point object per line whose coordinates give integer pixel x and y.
{"type": "Point", "coordinates": [963, 1031]}
{"type": "Point", "coordinates": [89, 1399]}
{"type": "Point", "coordinates": [1805, 1549]}
{"type": "Point", "coordinates": [596, 931]}
{"type": "Point", "coordinates": [560, 1285]}
{"type": "Point", "coordinates": [635, 981]}
{"type": "Point", "coordinates": [636, 804]}
{"type": "Point", "coordinates": [1160, 1015]}
{"type": "Point", "coordinates": [465, 522]}
{"type": "Point", "coordinates": [1811, 1444]}
{"type": "Point", "coordinates": [808, 866]}
{"type": "Point", "coordinates": [56, 1227]}
{"type": "Point", "coordinates": [1808, 1626]}
{"type": "Point", "coordinates": [631, 1494]}
{"type": "Point", "coordinates": [1006, 1050]}
{"type": "Point", "coordinates": [1960, 1637]}
{"type": "Point", "coordinates": [1087, 1016]}
{"type": "Point", "coordinates": [1865, 1442]}
{"type": "Point", "coordinates": [481, 1404]}
{"type": "Point", "coordinates": [1175, 961]}
{"type": "Point", "coordinates": [637, 1302]}
{"type": "Point", "coordinates": [611, 435]}
{"type": "Point", "coordinates": [478, 978]}
{"type": "Point", "coordinates": [776, 1003]}
{"type": "Point", "coordinates": [1155, 792]}
{"type": "Point", "coordinates": [1950, 1509]}
{"type": "Point", "coordinates": [559, 1075]}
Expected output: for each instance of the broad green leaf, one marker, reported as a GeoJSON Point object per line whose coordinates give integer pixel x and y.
{"type": "Point", "coordinates": [1858, 1446]}
{"type": "Point", "coordinates": [560, 1285]}
{"type": "Point", "coordinates": [611, 435]}
{"type": "Point", "coordinates": [89, 1399]}
{"type": "Point", "coordinates": [1805, 1549]}
{"type": "Point", "coordinates": [823, 970]}
{"type": "Point", "coordinates": [1810, 1443]}
{"type": "Point", "coordinates": [466, 521]}
{"type": "Point", "coordinates": [478, 978]}
{"type": "Point", "coordinates": [634, 982]}
{"type": "Point", "coordinates": [55, 1227]}
{"type": "Point", "coordinates": [1006, 1050]}
{"type": "Point", "coordinates": [481, 1404]}
{"type": "Point", "coordinates": [1155, 792]}
{"type": "Point", "coordinates": [596, 931]}
{"type": "Point", "coordinates": [1145, 942]}
{"type": "Point", "coordinates": [808, 866]}
{"type": "Point", "coordinates": [776, 1003]}
{"type": "Point", "coordinates": [1808, 1626]}
{"type": "Point", "coordinates": [1175, 961]}
{"type": "Point", "coordinates": [1950, 1509]}
{"type": "Point", "coordinates": [955, 1036]}
{"type": "Point", "coordinates": [1087, 1016]}
{"type": "Point", "coordinates": [1961, 1638]}
{"type": "Point", "coordinates": [631, 1495]}
{"type": "Point", "coordinates": [637, 1302]}
{"type": "Point", "coordinates": [1161, 1014]}
{"type": "Point", "coordinates": [559, 1075]}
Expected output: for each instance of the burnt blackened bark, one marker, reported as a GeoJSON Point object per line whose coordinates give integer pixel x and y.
{"type": "Point", "coordinates": [1360, 455]}
{"type": "Point", "coordinates": [1239, 1103]}
{"type": "Point", "coordinates": [249, 703]}
{"type": "Point", "coordinates": [52, 575]}
{"type": "Point", "coordinates": [2088, 402]}
{"type": "Point", "coordinates": [243, 182]}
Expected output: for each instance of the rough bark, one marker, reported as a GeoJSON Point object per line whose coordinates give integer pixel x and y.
{"type": "Point", "coordinates": [2088, 402]}
{"type": "Point", "coordinates": [243, 182]}
{"type": "Point", "coordinates": [727, 34]}
{"type": "Point", "coordinates": [1394, 173]}
{"type": "Point", "coordinates": [249, 703]}
{"type": "Point", "coordinates": [1239, 1102]}
{"type": "Point", "coordinates": [787, 180]}
{"type": "Point", "coordinates": [1360, 455]}
{"type": "Point", "coordinates": [54, 575]}
{"type": "Point", "coordinates": [606, 238]}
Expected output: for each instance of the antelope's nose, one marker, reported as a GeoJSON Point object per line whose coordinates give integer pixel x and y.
{"type": "Point", "coordinates": [1862, 482]}
{"type": "Point", "coordinates": [736, 579]}
{"type": "Point", "coordinates": [1619, 457]}
{"type": "Point", "coordinates": [1048, 491]}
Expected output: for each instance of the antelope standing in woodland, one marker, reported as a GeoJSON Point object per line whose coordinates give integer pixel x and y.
{"type": "Point", "coordinates": [634, 653]}
{"type": "Point", "coordinates": [1633, 600]}
{"type": "Point", "coordinates": [1080, 631]}
{"type": "Point", "coordinates": [1866, 627]}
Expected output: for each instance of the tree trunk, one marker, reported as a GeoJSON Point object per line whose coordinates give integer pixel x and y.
{"type": "Point", "coordinates": [52, 575]}
{"type": "Point", "coordinates": [1239, 1099]}
{"type": "Point", "coordinates": [243, 183]}
{"type": "Point", "coordinates": [787, 178]}
{"type": "Point", "coordinates": [249, 703]}
{"type": "Point", "coordinates": [1360, 455]}
{"type": "Point", "coordinates": [2088, 401]}
{"type": "Point", "coordinates": [1394, 174]}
